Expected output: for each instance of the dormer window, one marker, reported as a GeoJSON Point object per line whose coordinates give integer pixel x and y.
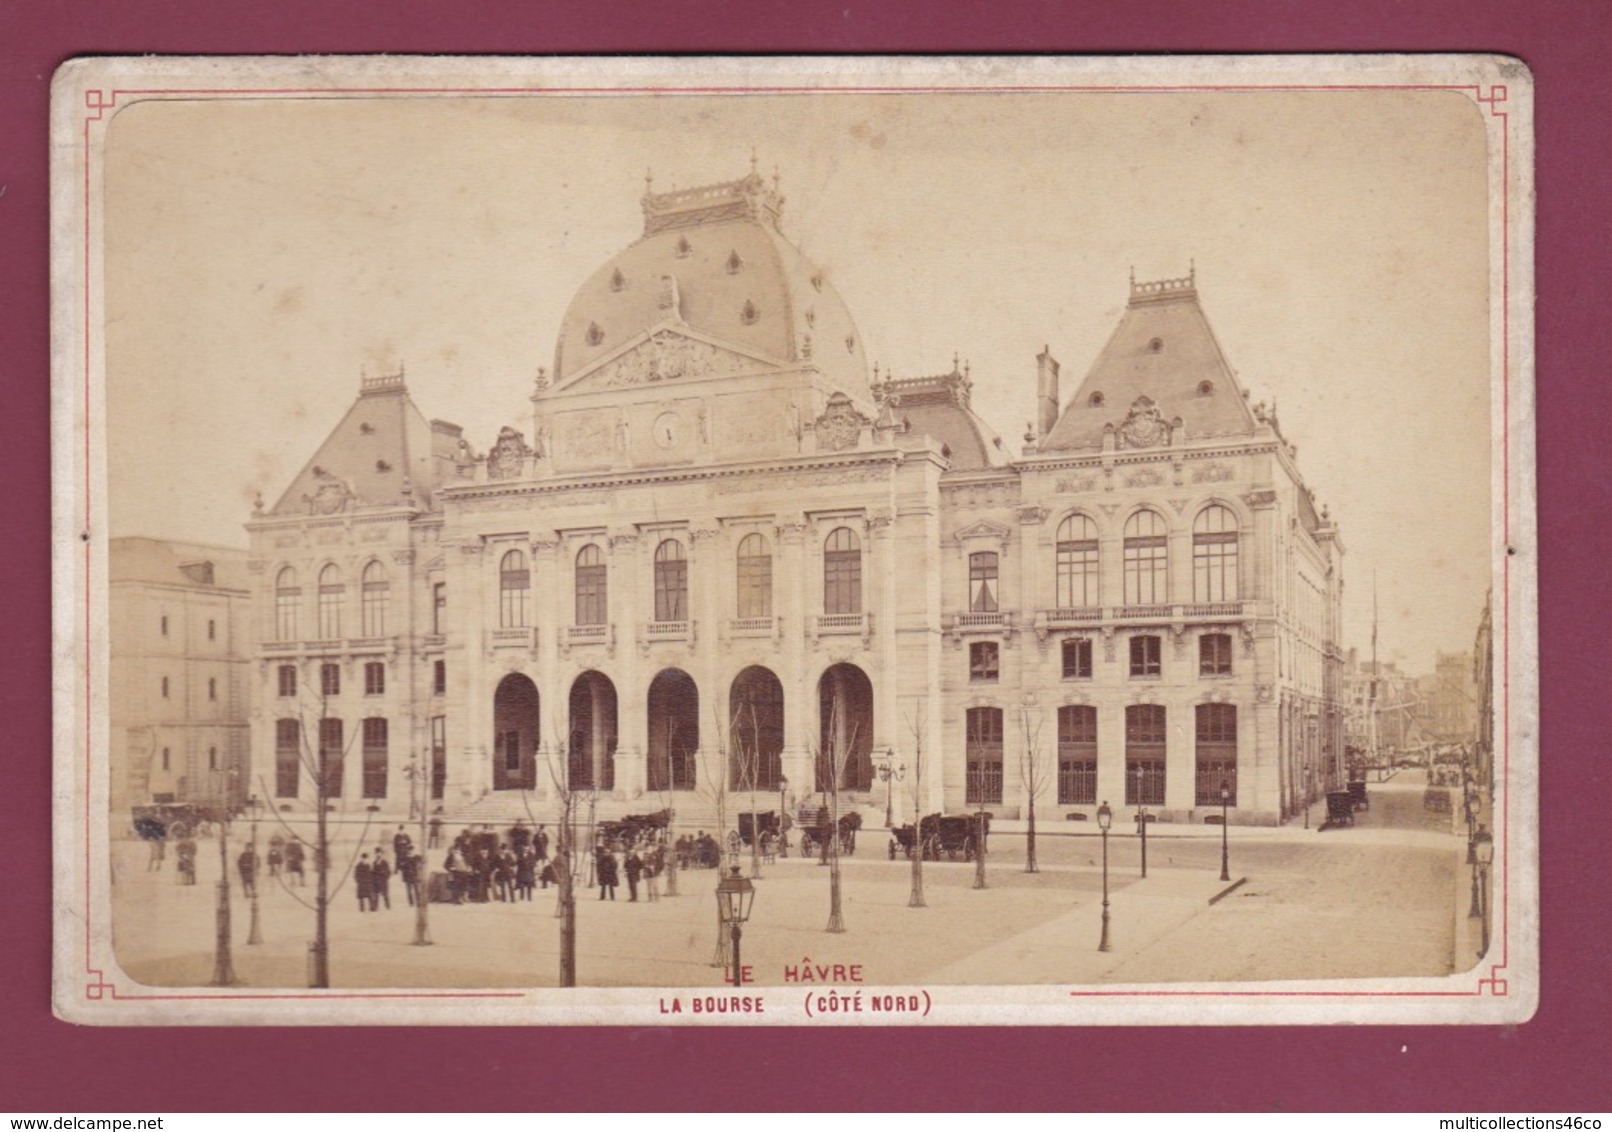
{"type": "Point", "coordinates": [1095, 401]}
{"type": "Point", "coordinates": [1205, 388]}
{"type": "Point", "coordinates": [749, 314]}
{"type": "Point", "coordinates": [817, 281]}
{"type": "Point", "coordinates": [595, 334]}
{"type": "Point", "coordinates": [850, 343]}
{"type": "Point", "coordinates": [735, 264]}
{"type": "Point", "coordinates": [1156, 346]}
{"type": "Point", "coordinates": [618, 281]}
{"type": "Point", "coordinates": [683, 247]}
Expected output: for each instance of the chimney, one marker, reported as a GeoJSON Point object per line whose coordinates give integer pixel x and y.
{"type": "Point", "coordinates": [1046, 392]}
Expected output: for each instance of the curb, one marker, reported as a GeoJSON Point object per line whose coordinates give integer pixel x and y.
{"type": "Point", "coordinates": [1228, 890]}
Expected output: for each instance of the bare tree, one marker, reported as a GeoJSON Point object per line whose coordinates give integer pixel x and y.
{"type": "Point", "coordinates": [1034, 770]}
{"type": "Point", "coordinates": [747, 762]}
{"type": "Point", "coordinates": [830, 761]}
{"type": "Point", "coordinates": [564, 864]}
{"type": "Point", "coordinates": [668, 800]}
{"type": "Point", "coordinates": [915, 724]}
{"type": "Point", "coordinates": [315, 761]}
{"type": "Point", "coordinates": [714, 775]}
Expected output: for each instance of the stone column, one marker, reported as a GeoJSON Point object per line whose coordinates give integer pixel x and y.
{"type": "Point", "coordinates": [628, 552]}
{"type": "Point", "coordinates": [799, 619]}
{"type": "Point", "coordinates": [551, 616]}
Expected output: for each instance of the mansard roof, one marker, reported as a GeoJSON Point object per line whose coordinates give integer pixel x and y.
{"type": "Point", "coordinates": [938, 406]}
{"type": "Point", "coordinates": [384, 453]}
{"type": "Point", "coordinates": [1163, 349]}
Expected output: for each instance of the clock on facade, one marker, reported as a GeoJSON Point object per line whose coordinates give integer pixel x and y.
{"type": "Point", "coordinates": [668, 430]}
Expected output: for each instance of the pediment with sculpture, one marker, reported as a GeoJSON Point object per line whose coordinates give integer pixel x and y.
{"type": "Point", "coordinates": [666, 354]}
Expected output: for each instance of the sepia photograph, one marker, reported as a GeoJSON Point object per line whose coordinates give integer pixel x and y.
{"type": "Point", "coordinates": [953, 540]}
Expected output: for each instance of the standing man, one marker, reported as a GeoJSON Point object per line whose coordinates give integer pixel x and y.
{"type": "Point", "coordinates": [402, 846]}
{"type": "Point", "coordinates": [635, 869]}
{"type": "Point", "coordinates": [364, 876]}
{"type": "Point", "coordinates": [380, 881]}
{"type": "Point", "coordinates": [607, 873]}
{"type": "Point", "coordinates": [247, 864]}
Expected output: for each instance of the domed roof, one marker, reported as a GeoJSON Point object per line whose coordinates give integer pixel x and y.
{"type": "Point", "coordinates": [713, 260]}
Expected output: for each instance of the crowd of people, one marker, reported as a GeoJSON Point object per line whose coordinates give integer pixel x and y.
{"type": "Point", "coordinates": [480, 865]}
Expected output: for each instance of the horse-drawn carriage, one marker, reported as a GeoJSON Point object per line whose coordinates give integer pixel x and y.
{"type": "Point", "coordinates": [634, 829]}
{"type": "Point", "coordinates": [950, 835]}
{"type": "Point", "coordinates": [815, 826]}
{"type": "Point", "coordinates": [1340, 809]}
{"type": "Point", "coordinates": [171, 821]}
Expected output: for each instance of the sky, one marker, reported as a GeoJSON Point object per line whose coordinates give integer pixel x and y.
{"type": "Point", "coordinates": [261, 255]}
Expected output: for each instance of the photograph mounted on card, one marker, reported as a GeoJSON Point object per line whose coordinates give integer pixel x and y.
{"type": "Point", "coordinates": [952, 540]}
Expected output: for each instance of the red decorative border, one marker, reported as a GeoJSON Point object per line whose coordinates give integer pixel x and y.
{"type": "Point", "coordinates": [98, 102]}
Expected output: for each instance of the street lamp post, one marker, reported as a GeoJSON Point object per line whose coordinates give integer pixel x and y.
{"type": "Point", "coordinates": [1105, 818]}
{"type": "Point", "coordinates": [1225, 841]}
{"type": "Point", "coordinates": [783, 815]}
{"type": "Point", "coordinates": [889, 772]}
{"type": "Point", "coordinates": [255, 935]}
{"type": "Point", "coordinates": [422, 896]}
{"type": "Point", "coordinates": [734, 895]}
{"type": "Point", "coordinates": [223, 962]}
{"type": "Point", "coordinates": [1142, 817]}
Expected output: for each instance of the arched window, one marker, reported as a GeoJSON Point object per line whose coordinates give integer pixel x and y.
{"type": "Point", "coordinates": [287, 757]}
{"type": "Point", "coordinates": [671, 581]}
{"type": "Point", "coordinates": [984, 756]}
{"type": "Point", "coordinates": [982, 577]}
{"type": "Point", "coordinates": [331, 592]}
{"type": "Point", "coordinates": [287, 600]}
{"type": "Point", "coordinates": [842, 572]}
{"type": "Point", "coordinates": [374, 756]}
{"type": "Point", "coordinates": [514, 587]}
{"type": "Point", "coordinates": [1216, 753]}
{"type": "Point", "coordinates": [1147, 570]}
{"type": "Point", "coordinates": [1077, 755]}
{"type": "Point", "coordinates": [1077, 563]}
{"type": "Point", "coordinates": [1145, 736]}
{"type": "Point", "coordinates": [755, 576]}
{"type": "Point", "coordinates": [1214, 554]}
{"type": "Point", "coordinates": [374, 593]}
{"type": "Point", "coordinates": [591, 586]}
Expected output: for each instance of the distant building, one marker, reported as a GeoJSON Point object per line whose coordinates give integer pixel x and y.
{"type": "Point", "coordinates": [730, 554]}
{"type": "Point", "coordinates": [179, 683]}
{"type": "Point", "coordinates": [1451, 699]}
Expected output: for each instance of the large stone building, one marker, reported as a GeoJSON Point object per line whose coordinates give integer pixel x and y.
{"type": "Point", "coordinates": [731, 554]}
{"type": "Point", "coordinates": [180, 672]}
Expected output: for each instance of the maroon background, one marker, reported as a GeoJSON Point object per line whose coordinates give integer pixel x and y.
{"type": "Point", "coordinates": [1556, 1062]}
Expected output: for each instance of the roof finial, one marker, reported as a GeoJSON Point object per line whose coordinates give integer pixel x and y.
{"type": "Point", "coordinates": [954, 361]}
{"type": "Point", "coordinates": [649, 180]}
{"type": "Point", "coordinates": [1133, 275]}
{"type": "Point", "coordinates": [777, 179]}
{"type": "Point", "coordinates": [1192, 271]}
{"type": "Point", "coordinates": [753, 161]}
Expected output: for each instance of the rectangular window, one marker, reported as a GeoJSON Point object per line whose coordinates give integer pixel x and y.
{"type": "Point", "coordinates": [212, 630]}
{"type": "Point", "coordinates": [439, 678]}
{"type": "Point", "coordinates": [984, 756]}
{"type": "Point", "coordinates": [1077, 755]}
{"type": "Point", "coordinates": [374, 758]}
{"type": "Point", "coordinates": [1214, 654]}
{"type": "Point", "coordinates": [1216, 753]}
{"type": "Point", "coordinates": [439, 756]}
{"type": "Point", "coordinates": [164, 687]}
{"type": "Point", "coordinates": [212, 688]}
{"type": "Point", "coordinates": [166, 759]}
{"type": "Point", "coordinates": [286, 602]}
{"type": "Point", "coordinates": [982, 579]}
{"type": "Point", "coordinates": [1077, 658]}
{"type": "Point", "coordinates": [439, 608]}
{"type": "Point", "coordinates": [288, 679]}
{"type": "Point", "coordinates": [331, 754]}
{"type": "Point", "coordinates": [1146, 570]}
{"type": "Point", "coordinates": [287, 757]}
{"type": "Point", "coordinates": [330, 679]}
{"type": "Point", "coordinates": [1145, 656]}
{"type": "Point", "coordinates": [984, 662]}
{"type": "Point", "coordinates": [375, 678]}
{"type": "Point", "coordinates": [1144, 755]}
{"type": "Point", "coordinates": [164, 624]}
{"type": "Point", "coordinates": [671, 590]}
